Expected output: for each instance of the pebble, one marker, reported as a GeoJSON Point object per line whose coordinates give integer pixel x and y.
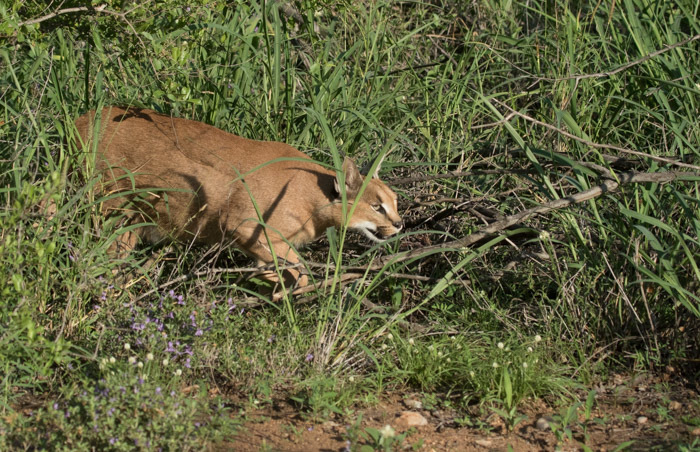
{"type": "Point", "coordinates": [413, 404]}
{"type": "Point", "coordinates": [674, 405]}
{"type": "Point", "coordinates": [695, 431]}
{"type": "Point", "coordinates": [412, 419]}
{"type": "Point", "coordinates": [484, 442]}
{"type": "Point", "coordinates": [543, 423]}
{"type": "Point", "coordinates": [642, 420]}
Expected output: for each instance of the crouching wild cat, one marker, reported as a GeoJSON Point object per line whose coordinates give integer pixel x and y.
{"type": "Point", "coordinates": [193, 182]}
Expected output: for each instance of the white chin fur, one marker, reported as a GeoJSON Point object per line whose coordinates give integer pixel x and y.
{"type": "Point", "coordinates": [369, 231]}
{"type": "Point", "coordinates": [370, 235]}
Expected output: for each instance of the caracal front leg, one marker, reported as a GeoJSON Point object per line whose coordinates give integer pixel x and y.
{"type": "Point", "coordinates": [285, 256]}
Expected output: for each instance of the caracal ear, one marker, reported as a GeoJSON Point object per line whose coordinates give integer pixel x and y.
{"type": "Point", "coordinates": [353, 179]}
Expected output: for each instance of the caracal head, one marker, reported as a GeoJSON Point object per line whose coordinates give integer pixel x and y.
{"type": "Point", "coordinates": [375, 213]}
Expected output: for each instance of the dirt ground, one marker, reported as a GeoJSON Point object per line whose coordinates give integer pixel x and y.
{"type": "Point", "coordinates": [639, 414]}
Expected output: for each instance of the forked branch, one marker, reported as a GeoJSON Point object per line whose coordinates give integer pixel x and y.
{"type": "Point", "coordinates": [607, 186]}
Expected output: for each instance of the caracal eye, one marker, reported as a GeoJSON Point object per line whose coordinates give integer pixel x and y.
{"type": "Point", "coordinates": [377, 207]}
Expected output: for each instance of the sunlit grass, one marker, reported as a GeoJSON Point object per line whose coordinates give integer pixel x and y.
{"type": "Point", "coordinates": [528, 102]}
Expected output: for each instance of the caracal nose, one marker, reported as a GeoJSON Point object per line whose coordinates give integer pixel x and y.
{"type": "Point", "coordinates": [398, 224]}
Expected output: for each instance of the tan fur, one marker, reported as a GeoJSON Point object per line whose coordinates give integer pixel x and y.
{"type": "Point", "coordinates": [188, 178]}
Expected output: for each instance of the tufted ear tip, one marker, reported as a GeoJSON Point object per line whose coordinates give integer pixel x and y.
{"type": "Point", "coordinates": [353, 179]}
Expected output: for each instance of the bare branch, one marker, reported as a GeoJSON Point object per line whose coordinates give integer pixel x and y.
{"type": "Point", "coordinates": [599, 145]}
{"type": "Point", "coordinates": [607, 186]}
{"type": "Point", "coordinates": [77, 9]}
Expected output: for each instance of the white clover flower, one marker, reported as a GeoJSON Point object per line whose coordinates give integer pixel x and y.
{"type": "Point", "coordinates": [524, 365]}
{"type": "Point", "coordinates": [387, 432]}
{"type": "Point", "coordinates": [538, 338]}
{"type": "Point", "coordinates": [529, 349]}
{"type": "Point", "coordinates": [165, 362]}
{"type": "Point", "coordinates": [178, 372]}
{"type": "Point", "coordinates": [448, 360]}
{"type": "Point", "coordinates": [411, 341]}
{"type": "Point", "coordinates": [537, 360]}
{"type": "Point", "coordinates": [351, 379]}
{"type": "Point", "coordinates": [471, 373]}
{"type": "Point", "coordinates": [139, 365]}
{"type": "Point", "coordinates": [390, 336]}
{"type": "Point", "coordinates": [459, 346]}
{"type": "Point", "coordinates": [132, 359]}
{"type": "Point", "coordinates": [439, 354]}
{"type": "Point", "coordinates": [127, 346]}
{"type": "Point", "coordinates": [500, 345]}
{"type": "Point", "coordinates": [384, 347]}
{"type": "Point", "coordinates": [112, 359]}
{"type": "Point", "coordinates": [544, 235]}
{"type": "Point", "coordinates": [495, 365]}
{"type": "Point", "coordinates": [149, 356]}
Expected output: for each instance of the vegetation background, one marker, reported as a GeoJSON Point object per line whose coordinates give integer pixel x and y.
{"type": "Point", "coordinates": [484, 108]}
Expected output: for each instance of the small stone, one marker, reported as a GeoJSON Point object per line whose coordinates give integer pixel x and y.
{"type": "Point", "coordinates": [484, 442]}
{"type": "Point", "coordinates": [543, 423]}
{"type": "Point", "coordinates": [674, 405]}
{"type": "Point", "coordinates": [412, 419]}
{"type": "Point", "coordinates": [330, 425]}
{"type": "Point", "coordinates": [642, 420]}
{"type": "Point", "coordinates": [413, 404]}
{"type": "Point", "coordinates": [695, 431]}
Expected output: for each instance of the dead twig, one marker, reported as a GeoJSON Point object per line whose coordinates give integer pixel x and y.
{"type": "Point", "coordinates": [598, 145]}
{"type": "Point", "coordinates": [97, 9]}
{"type": "Point", "coordinates": [607, 186]}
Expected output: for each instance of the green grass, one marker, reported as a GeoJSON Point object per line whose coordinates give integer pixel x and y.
{"type": "Point", "coordinates": [533, 103]}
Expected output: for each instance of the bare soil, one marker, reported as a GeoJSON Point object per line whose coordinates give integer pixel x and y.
{"type": "Point", "coordinates": [649, 414]}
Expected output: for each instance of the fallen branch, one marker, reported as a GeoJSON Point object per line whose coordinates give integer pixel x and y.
{"type": "Point", "coordinates": [608, 186]}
